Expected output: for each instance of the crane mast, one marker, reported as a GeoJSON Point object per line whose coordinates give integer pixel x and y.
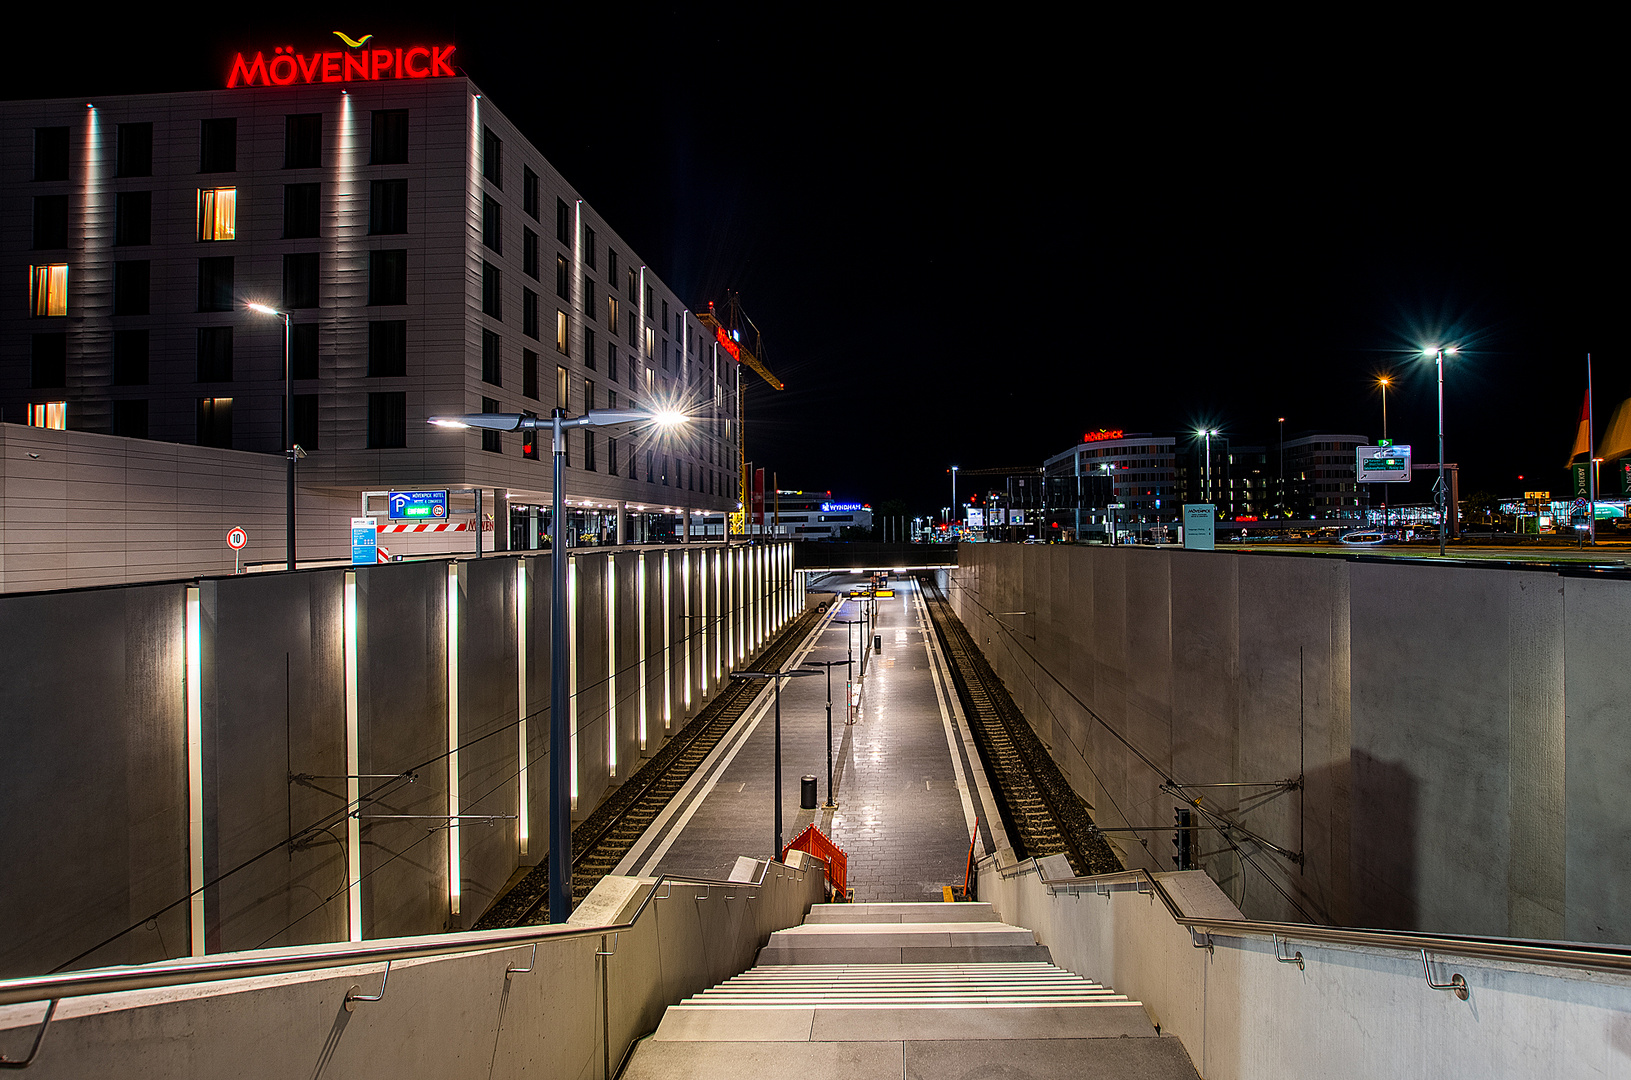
{"type": "Point", "coordinates": [735, 333]}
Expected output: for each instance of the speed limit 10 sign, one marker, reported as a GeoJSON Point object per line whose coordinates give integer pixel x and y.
{"type": "Point", "coordinates": [236, 539]}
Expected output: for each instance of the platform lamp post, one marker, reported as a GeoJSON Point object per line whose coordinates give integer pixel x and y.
{"type": "Point", "coordinates": [560, 739]}
{"type": "Point", "coordinates": [289, 448]}
{"type": "Point", "coordinates": [1207, 433]}
{"type": "Point", "coordinates": [849, 660]}
{"type": "Point", "coordinates": [1438, 354]}
{"type": "Point", "coordinates": [954, 507]}
{"type": "Point", "coordinates": [775, 678]}
{"type": "Point", "coordinates": [829, 665]}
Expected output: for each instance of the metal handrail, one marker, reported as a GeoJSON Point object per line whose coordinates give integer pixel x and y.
{"type": "Point", "coordinates": [1577, 955]}
{"type": "Point", "coordinates": [167, 973]}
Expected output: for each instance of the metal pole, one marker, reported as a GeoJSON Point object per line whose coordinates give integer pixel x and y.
{"type": "Point", "coordinates": [560, 741]}
{"type": "Point", "coordinates": [829, 735]}
{"type": "Point", "coordinates": [1208, 466]}
{"type": "Point", "coordinates": [288, 428]}
{"type": "Point", "coordinates": [1443, 492]}
{"type": "Point", "coordinates": [777, 680]}
{"type": "Point", "coordinates": [1591, 456]}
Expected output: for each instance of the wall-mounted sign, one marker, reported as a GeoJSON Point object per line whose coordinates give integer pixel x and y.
{"type": "Point", "coordinates": [832, 507]}
{"type": "Point", "coordinates": [1200, 526]}
{"type": "Point", "coordinates": [417, 505]}
{"type": "Point", "coordinates": [1382, 464]}
{"type": "Point", "coordinates": [364, 541]}
{"type": "Point", "coordinates": [1102, 435]}
{"type": "Point", "coordinates": [729, 345]}
{"type": "Point", "coordinates": [356, 62]}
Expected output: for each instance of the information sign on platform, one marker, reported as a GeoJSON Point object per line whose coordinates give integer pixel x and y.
{"type": "Point", "coordinates": [1200, 526]}
{"type": "Point", "coordinates": [1382, 464]}
{"type": "Point", "coordinates": [364, 541]}
{"type": "Point", "coordinates": [418, 505]}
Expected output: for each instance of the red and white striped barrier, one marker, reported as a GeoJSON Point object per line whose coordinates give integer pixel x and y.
{"type": "Point", "coordinates": [425, 527]}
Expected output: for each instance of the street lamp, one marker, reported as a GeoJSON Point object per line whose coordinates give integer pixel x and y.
{"type": "Point", "coordinates": [849, 672]}
{"type": "Point", "coordinates": [829, 665]}
{"type": "Point", "coordinates": [954, 514]}
{"type": "Point", "coordinates": [1207, 434]}
{"type": "Point", "coordinates": [288, 432]}
{"type": "Point", "coordinates": [1384, 381]}
{"type": "Point", "coordinates": [1438, 355]}
{"type": "Point", "coordinates": [1110, 506]}
{"type": "Point", "coordinates": [776, 678]}
{"type": "Point", "coordinates": [560, 740]}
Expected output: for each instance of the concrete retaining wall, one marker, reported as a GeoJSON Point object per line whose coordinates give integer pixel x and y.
{"type": "Point", "coordinates": [94, 782]}
{"type": "Point", "coordinates": [1457, 729]}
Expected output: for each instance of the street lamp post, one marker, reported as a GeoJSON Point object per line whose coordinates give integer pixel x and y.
{"type": "Point", "coordinates": [954, 497]}
{"type": "Point", "coordinates": [775, 678]}
{"type": "Point", "coordinates": [560, 739]}
{"type": "Point", "coordinates": [849, 661]}
{"type": "Point", "coordinates": [1110, 506]}
{"type": "Point", "coordinates": [289, 448]}
{"type": "Point", "coordinates": [1384, 382]}
{"type": "Point", "coordinates": [1438, 355]}
{"type": "Point", "coordinates": [829, 665]}
{"type": "Point", "coordinates": [1207, 434]}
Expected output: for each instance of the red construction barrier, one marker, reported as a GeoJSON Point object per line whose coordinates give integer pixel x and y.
{"type": "Point", "coordinates": [816, 842]}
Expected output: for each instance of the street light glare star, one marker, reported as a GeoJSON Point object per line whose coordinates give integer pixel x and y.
{"type": "Point", "coordinates": [263, 309]}
{"type": "Point", "coordinates": [442, 421]}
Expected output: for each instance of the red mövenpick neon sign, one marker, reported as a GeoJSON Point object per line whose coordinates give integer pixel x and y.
{"type": "Point", "coordinates": [1102, 435]}
{"type": "Point", "coordinates": [289, 68]}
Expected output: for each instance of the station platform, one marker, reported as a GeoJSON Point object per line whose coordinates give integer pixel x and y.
{"type": "Point", "coordinates": [907, 786]}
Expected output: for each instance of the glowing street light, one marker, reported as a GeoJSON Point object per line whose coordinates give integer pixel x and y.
{"type": "Point", "coordinates": [1207, 433]}
{"type": "Point", "coordinates": [1438, 354]}
{"type": "Point", "coordinates": [560, 739]}
{"type": "Point", "coordinates": [290, 448]}
{"type": "Point", "coordinates": [1384, 381]}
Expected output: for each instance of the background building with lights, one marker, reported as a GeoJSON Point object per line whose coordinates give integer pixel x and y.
{"type": "Point", "coordinates": [430, 257]}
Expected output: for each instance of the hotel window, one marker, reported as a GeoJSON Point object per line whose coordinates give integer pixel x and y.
{"type": "Point", "coordinates": [48, 290]}
{"type": "Point", "coordinates": [388, 207]}
{"type": "Point", "coordinates": [561, 384]}
{"type": "Point", "coordinates": [589, 297]}
{"type": "Point", "coordinates": [303, 141]}
{"type": "Point", "coordinates": [611, 268]}
{"type": "Point", "coordinates": [131, 281]}
{"type": "Point", "coordinates": [563, 222]}
{"type": "Point", "coordinates": [588, 394]}
{"type": "Point", "coordinates": [51, 414]}
{"type": "Point", "coordinates": [589, 347]}
{"type": "Point", "coordinates": [650, 306]}
{"type": "Point", "coordinates": [492, 158]}
{"type": "Point", "coordinates": [218, 213]}
{"type": "Point", "coordinates": [387, 277]}
{"type": "Point", "coordinates": [132, 218]}
{"type": "Point", "coordinates": [48, 361]}
{"type": "Point", "coordinates": [51, 153]}
{"type": "Point", "coordinates": [634, 337]}
{"type": "Point", "coordinates": [611, 360]}
{"type": "Point", "coordinates": [130, 418]}
{"type": "Point", "coordinates": [130, 357]}
{"type": "Point", "coordinates": [665, 318]}
{"type": "Point", "coordinates": [214, 354]}
{"type": "Point", "coordinates": [529, 192]}
{"type": "Point", "coordinates": [215, 422]}
{"type": "Point", "coordinates": [563, 283]}
{"type": "Point", "coordinates": [651, 345]}
{"type": "Point", "coordinates": [665, 350]}
{"type": "Point", "coordinates": [490, 440]}
{"type": "Point", "coordinates": [490, 369]}
{"type": "Point", "coordinates": [589, 451]}
{"type": "Point", "coordinates": [491, 291]}
{"type": "Point", "coordinates": [388, 349]}
{"type": "Point", "coordinates": [529, 374]}
{"type": "Point", "coordinates": [134, 156]}
{"type": "Point", "coordinates": [215, 283]}
{"type": "Point", "coordinates": [300, 280]}
{"type": "Point", "coordinates": [634, 290]}
{"type": "Point", "coordinates": [50, 221]}
{"type": "Point", "coordinates": [390, 137]}
{"type": "Point", "coordinates": [529, 253]}
{"type": "Point", "coordinates": [302, 211]}
{"type": "Point", "coordinates": [388, 419]}
{"type": "Point", "coordinates": [633, 380]}
{"type": "Point", "coordinates": [218, 145]}
{"type": "Point", "coordinates": [492, 222]}
{"type": "Point", "coordinates": [529, 314]}
{"type": "Point", "coordinates": [589, 247]}
{"type": "Point", "coordinates": [611, 314]}
{"type": "Point", "coordinates": [303, 350]}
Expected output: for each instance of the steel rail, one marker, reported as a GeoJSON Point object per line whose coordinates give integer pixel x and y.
{"type": "Point", "coordinates": [170, 973]}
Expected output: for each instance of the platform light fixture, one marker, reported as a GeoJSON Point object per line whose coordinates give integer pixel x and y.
{"type": "Point", "coordinates": [1438, 354]}
{"type": "Point", "coordinates": [290, 449]}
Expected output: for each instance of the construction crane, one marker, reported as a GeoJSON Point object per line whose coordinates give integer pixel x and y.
{"type": "Point", "coordinates": [737, 335]}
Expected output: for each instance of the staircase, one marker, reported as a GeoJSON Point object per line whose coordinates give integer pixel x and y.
{"type": "Point", "coordinates": [907, 990]}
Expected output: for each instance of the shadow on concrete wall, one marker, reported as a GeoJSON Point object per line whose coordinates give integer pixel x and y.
{"type": "Point", "coordinates": [1384, 842]}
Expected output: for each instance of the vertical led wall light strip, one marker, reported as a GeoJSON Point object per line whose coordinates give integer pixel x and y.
{"type": "Point", "coordinates": [719, 616]}
{"type": "Point", "coordinates": [727, 613]}
{"type": "Point", "coordinates": [195, 775]}
{"type": "Point", "coordinates": [522, 809]}
{"type": "Point", "coordinates": [572, 665]}
{"type": "Point", "coordinates": [702, 619]}
{"type": "Point", "coordinates": [454, 871]}
{"type": "Point", "coordinates": [668, 642]}
{"type": "Point", "coordinates": [353, 767]}
{"type": "Point", "coordinates": [643, 613]}
{"type": "Point", "coordinates": [611, 665]}
{"type": "Point", "coordinates": [685, 606]}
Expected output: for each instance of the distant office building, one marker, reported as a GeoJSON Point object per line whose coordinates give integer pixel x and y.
{"type": "Point", "coordinates": [1241, 481]}
{"type": "Point", "coordinates": [1128, 483]}
{"type": "Point", "coordinates": [804, 516]}
{"type": "Point", "coordinates": [1321, 477]}
{"type": "Point", "coordinates": [431, 260]}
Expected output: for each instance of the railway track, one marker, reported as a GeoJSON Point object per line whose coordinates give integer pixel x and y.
{"type": "Point", "coordinates": [1040, 810]}
{"type": "Point", "coordinates": [600, 840]}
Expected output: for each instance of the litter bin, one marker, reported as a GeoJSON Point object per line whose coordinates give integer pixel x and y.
{"type": "Point", "coordinates": [807, 793]}
{"type": "Point", "coordinates": [877, 643]}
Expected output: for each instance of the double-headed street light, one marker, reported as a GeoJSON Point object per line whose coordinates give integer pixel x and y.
{"type": "Point", "coordinates": [560, 740]}
{"type": "Point", "coordinates": [289, 447]}
{"type": "Point", "coordinates": [1438, 354]}
{"type": "Point", "coordinates": [829, 665]}
{"type": "Point", "coordinates": [1207, 433]}
{"type": "Point", "coordinates": [775, 677]}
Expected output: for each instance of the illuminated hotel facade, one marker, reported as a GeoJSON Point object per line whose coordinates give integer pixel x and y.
{"type": "Point", "coordinates": [431, 261]}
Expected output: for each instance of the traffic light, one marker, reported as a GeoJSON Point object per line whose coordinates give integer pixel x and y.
{"type": "Point", "coordinates": [1181, 838]}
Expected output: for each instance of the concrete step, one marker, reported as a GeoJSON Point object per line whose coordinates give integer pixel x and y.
{"type": "Point", "coordinates": [886, 913]}
{"type": "Point", "coordinates": [902, 943]}
{"type": "Point", "coordinates": [897, 1023]}
{"type": "Point", "coordinates": [894, 985]}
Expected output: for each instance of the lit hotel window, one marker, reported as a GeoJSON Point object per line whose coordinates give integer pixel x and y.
{"type": "Point", "coordinates": [48, 289]}
{"type": "Point", "coordinates": [53, 414]}
{"type": "Point", "coordinates": [218, 213]}
{"type": "Point", "coordinates": [560, 334]}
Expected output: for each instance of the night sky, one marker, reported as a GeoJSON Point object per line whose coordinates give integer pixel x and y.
{"type": "Point", "coordinates": [970, 239]}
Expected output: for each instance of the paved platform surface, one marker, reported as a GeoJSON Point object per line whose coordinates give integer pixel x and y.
{"type": "Point", "coordinates": [906, 780]}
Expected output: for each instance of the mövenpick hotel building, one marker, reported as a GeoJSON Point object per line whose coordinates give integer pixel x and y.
{"type": "Point", "coordinates": [432, 262]}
